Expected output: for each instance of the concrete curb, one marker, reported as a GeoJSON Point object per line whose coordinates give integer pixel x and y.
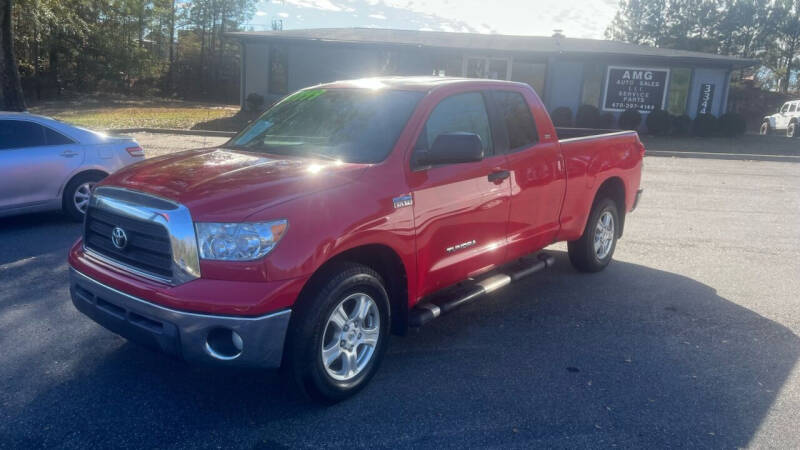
{"type": "Point", "coordinates": [172, 131]}
{"type": "Point", "coordinates": [730, 156]}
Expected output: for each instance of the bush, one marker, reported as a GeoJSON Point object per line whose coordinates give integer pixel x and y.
{"type": "Point", "coordinates": [254, 102]}
{"type": "Point", "coordinates": [732, 125]}
{"type": "Point", "coordinates": [587, 116]}
{"type": "Point", "coordinates": [562, 117]}
{"type": "Point", "coordinates": [681, 125]}
{"type": "Point", "coordinates": [606, 121]}
{"type": "Point", "coordinates": [705, 125]}
{"type": "Point", "coordinates": [630, 119]}
{"type": "Point", "coordinates": [658, 122]}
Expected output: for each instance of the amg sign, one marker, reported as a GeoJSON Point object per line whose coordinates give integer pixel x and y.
{"type": "Point", "coordinates": [635, 88]}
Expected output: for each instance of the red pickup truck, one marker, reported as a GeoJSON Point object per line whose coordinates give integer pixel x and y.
{"type": "Point", "coordinates": [346, 212]}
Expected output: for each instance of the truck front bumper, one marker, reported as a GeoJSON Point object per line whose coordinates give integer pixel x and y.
{"type": "Point", "coordinates": [194, 337]}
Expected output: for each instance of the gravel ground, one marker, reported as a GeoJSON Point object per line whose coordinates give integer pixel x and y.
{"type": "Point", "coordinates": [690, 338]}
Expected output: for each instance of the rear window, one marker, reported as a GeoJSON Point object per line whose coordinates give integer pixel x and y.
{"type": "Point", "coordinates": [351, 125]}
{"type": "Point", "coordinates": [516, 115]}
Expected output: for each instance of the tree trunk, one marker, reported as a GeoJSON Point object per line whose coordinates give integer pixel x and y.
{"type": "Point", "coordinates": [13, 99]}
{"type": "Point", "coordinates": [170, 42]}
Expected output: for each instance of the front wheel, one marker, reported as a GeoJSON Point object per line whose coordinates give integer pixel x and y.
{"type": "Point", "coordinates": [791, 130]}
{"type": "Point", "coordinates": [593, 251]}
{"type": "Point", "coordinates": [338, 336]}
{"type": "Point", "coordinates": [765, 129]}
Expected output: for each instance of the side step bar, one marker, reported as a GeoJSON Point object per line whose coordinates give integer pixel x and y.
{"type": "Point", "coordinates": [469, 291]}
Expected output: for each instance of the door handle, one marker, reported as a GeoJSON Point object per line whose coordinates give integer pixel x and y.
{"type": "Point", "coordinates": [68, 153]}
{"type": "Point", "coordinates": [498, 176]}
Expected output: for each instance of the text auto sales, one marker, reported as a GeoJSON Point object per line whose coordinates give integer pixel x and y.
{"type": "Point", "coordinates": [638, 89]}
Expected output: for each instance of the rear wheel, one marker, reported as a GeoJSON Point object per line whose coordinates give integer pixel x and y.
{"type": "Point", "coordinates": [765, 129]}
{"type": "Point", "coordinates": [594, 250]}
{"type": "Point", "coordinates": [337, 339]}
{"type": "Point", "coordinates": [77, 193]}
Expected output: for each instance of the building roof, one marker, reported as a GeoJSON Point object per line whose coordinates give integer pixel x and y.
{"type": "Point", "coordinates": [490, 42]}
{"type": "Point", "coordinates": [414, 83]}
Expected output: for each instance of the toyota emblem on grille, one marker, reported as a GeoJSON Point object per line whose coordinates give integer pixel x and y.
{"type": "Point", "coordinates": [119, 238]}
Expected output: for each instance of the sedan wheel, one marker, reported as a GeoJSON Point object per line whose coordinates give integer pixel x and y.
{"type": "Point", "coordinates": [82, 194]}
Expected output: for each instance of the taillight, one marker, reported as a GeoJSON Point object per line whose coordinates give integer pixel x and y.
{"type": "Point", "coordinates": [135, 151]}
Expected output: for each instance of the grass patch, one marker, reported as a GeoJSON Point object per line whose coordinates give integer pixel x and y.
{"type": "Point", "coordinates": [105, 118]}
{"type": "Point", "coordinates": [109, 113]}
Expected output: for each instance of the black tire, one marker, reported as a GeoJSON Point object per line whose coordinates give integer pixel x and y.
{"type": "Point", "coordinates": [67, 200]}
{"type": "Point", "coordinates": [302, 363]}
{"type": "Point", "coordinates": [765, 129]}
{"type": "Point", "coordinates": [582, 252]}
{"type": "Point", "coordinates": [791, 130]}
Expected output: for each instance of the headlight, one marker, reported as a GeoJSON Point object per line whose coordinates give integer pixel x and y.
{"type": "Point", "coordinates": [238, 241]}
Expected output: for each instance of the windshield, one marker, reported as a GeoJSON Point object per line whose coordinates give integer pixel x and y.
{"type": "Point", "coordinates": [351, 125]}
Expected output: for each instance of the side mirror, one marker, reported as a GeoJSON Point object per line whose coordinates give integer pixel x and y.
{"type": "Point", "coordinates": [453, 148]}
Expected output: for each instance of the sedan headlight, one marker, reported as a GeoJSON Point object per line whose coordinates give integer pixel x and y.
{"type": "Point", "coordinates": [238, 241]}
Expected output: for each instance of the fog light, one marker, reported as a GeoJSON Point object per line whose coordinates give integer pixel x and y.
{"type": "Point", "coordinates": [224, 344]}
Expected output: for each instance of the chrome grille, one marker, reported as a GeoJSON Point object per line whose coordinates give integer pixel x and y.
{"type": "Point", "coordinates": [147, 248]}
{"type": "Point", "coordinates": [154, 237]}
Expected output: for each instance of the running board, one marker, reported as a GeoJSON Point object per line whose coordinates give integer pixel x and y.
{"type": "Point", "coordinates": [468, 291]}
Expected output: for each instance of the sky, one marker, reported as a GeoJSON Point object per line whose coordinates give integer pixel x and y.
{"type": "Point", "coordinates": [577, 18]}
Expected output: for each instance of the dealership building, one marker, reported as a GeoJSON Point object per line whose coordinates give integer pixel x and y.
{"type": "Point", "coordinates": [564, 71]}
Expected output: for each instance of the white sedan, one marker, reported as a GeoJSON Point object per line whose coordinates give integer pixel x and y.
{"type": "Point", "coordinates": [46, 164]}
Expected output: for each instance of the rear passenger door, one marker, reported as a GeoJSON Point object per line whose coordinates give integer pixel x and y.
{"type": "Point", "coordinates": [537, 175]}
{"type": "Point", "coordinates": [460, 210]}
{"type": "Point", "coordinates": [35, 161]}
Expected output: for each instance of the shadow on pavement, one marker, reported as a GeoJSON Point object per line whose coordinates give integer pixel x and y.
{"type": "Point", "coordinates": [631, 356]}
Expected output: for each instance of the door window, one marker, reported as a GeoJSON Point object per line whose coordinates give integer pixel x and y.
{"type": "Point", "coordinates": [21, 133]}
{"type": "Point", "coordinates": [516, 115]}
{"type": "Point", "coordinates": [792, 107]}
{"type": "Point", "coordinates": [460, 113]}
{"type": "Point", "coordinates": [785, 108]}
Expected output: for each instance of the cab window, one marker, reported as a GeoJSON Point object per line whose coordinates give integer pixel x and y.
{"type": "Point", "coordinates": [792, 107]}
{"type": "Point", "coordinates": [460, 113]}
{"type": "Point", "coordinates": [785, 108]}
{"type": "Point", "coordinates": [516, 116]}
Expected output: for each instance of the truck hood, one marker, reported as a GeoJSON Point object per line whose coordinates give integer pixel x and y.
{"type": "Point", "coordinates": [220, 184]}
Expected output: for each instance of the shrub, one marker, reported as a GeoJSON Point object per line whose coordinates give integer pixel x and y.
{"type": "Point", "coordinates": [705, 125]}
{"type": "Point", "coordinates": [630, 119]}
{"type": "Point", "coordinates": [587, 116]}
{"type": "Point", "coordinates": [681, 125]}
{"type": "Point", "coordinates": [254, 102]}
{"type": "Point", "coordinates": [606, 121]}
{"type": "Point", "coordinates": [658, 122]}
{"type": "Point", "coordinates": [732, 125]}
{"type": "Point", "coordinates": [562, 117]}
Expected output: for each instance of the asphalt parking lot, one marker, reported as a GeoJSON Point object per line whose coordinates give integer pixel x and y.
{"type": "Point", "coordinates": [690, 338]}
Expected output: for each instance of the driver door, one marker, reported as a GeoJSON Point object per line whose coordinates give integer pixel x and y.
{"type": "Point", "coordinates": [460, 210]}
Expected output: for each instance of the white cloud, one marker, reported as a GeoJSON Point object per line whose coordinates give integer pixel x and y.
{"type": "Point", "coordinates": [261, 13]}
{"type": "Point", "coordinates": [284, 15]}
{"type": "Point", "coordinates": [325, 5]}
{"type": "Point", "coordinates": [377, 16]}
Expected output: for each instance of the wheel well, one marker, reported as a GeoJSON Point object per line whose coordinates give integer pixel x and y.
{"type": "Point", "coordinates": [82, 173]}
{"type": "Point", "coordinates": [614, 189]}
{"type": "Point", "coordinates": [389, 266]}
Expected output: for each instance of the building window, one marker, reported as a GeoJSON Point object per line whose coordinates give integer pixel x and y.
{"type": "Point", "coordinates": [530, 72]}
{"type": "Point", "coordinates": [592, 92]}
{"type": "Point", "coordinates": [678, 91]}
{"type": "Point", "coordinates": [278, 70]}
{"type": "Point", "coordinates": [482, 67]}
{"type": "Point", "coordinates": [447, 65]}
